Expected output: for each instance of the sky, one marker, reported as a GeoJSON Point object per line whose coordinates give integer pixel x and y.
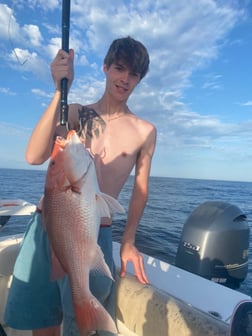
{"type": "Point", "coordinates": [197, 92]}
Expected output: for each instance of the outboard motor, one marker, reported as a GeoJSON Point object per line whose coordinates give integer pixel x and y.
{"type": "Point", "coordinates": [215, 243]}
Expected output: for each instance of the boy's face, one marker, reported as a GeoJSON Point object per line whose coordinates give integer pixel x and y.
{"type": "Point", "coordinates": [120, 80]}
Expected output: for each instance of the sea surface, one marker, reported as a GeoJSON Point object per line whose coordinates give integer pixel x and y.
{"type": "Point", "coordinates": [170, 203]}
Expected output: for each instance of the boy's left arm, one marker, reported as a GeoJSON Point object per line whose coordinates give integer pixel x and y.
{"type": "Point", "coordinates": [139, 197]}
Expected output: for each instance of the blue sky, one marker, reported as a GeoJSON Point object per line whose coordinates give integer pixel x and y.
{"type": "Point", "coordinates": [197, 92]}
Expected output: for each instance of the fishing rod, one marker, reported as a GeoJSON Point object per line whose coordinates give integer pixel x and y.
{"type": "Point", "coordinates": [65, 47]}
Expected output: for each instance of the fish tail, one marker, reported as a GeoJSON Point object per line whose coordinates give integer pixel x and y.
{"type": "Point", "coordinates": [92, 316]}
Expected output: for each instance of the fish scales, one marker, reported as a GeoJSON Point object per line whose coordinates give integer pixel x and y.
{"type": "Point", "coordinates": [72, 209]}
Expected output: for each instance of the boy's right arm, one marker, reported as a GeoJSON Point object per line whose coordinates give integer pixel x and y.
{"type": "Point", "coordinates": [41, 141]}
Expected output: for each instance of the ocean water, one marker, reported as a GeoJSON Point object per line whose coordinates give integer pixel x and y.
{"type": "Point", "coordinates": [170, 203]}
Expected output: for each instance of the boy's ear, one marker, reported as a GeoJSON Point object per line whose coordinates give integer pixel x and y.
{"type": "Point", "coordinates": [105, 68]}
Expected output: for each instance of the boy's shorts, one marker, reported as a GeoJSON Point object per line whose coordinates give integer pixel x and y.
{"type": "Point", "coordinates": [34, 301]}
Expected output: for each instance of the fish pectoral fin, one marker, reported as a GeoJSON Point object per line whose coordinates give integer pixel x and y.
{"type": "Point", "coordinates": [113, 204]}
{"type": "Point", "coordinates": [91, 315]}
{"type": "Point", "coordinates": [100, 264]}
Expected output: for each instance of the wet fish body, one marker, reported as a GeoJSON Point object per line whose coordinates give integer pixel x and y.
{"type": "Point", "coordinates": [72, 208]}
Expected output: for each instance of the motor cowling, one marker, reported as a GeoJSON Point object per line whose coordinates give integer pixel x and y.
{"type": "Point", "coordinates": [215, 243]}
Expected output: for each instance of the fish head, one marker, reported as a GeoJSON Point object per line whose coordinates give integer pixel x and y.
{"type": "Point", "coordinates": [55, 177]}
{"type": "Point", "coordinates": [77, 159]}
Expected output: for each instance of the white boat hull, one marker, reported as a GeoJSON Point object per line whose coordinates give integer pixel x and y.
{"type": "Point", "coordinates": [141, 310]}
{"type": "Point", "coordinates": [176, 303]}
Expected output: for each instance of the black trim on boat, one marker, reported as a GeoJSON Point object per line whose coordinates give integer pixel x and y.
{"type": "Point", "coordinates": [2, 332]}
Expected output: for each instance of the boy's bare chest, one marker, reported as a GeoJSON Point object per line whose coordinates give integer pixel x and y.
{"type": "Point", "coordinates": [114, 140]}
{"type": "Point", "coordinates": [114, 145]}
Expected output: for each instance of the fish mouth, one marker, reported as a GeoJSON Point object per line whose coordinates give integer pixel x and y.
{"type": "Point", "coordinates": [70, 134]}
{"type": "Point", "coordinates": [59, 145]}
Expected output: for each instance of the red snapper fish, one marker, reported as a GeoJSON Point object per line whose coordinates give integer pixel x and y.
{"type": "Point", "coordinates": [72, 208]}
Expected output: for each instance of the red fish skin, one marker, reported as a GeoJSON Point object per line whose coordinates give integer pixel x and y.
{"type": "Point", "coordinates": [71, 212]}
{"type": "Point", "coordinates": [90, 314]}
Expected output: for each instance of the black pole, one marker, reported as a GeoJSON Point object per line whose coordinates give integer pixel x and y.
{"type": "Point", "coordinates": [65, 47]}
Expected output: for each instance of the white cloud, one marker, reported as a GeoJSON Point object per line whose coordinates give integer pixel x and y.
{"type": "Point", "coordinates": [180, 37]}
{"type": "Point", "coordinates": [53, 46]}
{"type": "Point", "coordinates": [8, 24]}
{"type": "Point", "coordinates": [248, 103]}
{"type": "Point", "coordinates": [86, 91]}
{"type": "Point", "coordinates": [7, 91]}
{"type": "Point", "coordinates": [45, 5]}
{"type": "Point", "coordinates": [213, 82]}
{"type": "Point", "coordinates": [33, 34]}
{"type": "Point", "coordinates": [41, 93]}
{"type": "Point", "coordinates": [25, 61]}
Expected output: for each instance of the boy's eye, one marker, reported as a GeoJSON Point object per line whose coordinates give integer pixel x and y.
{"type": "Point", "coordinates": [119, 67]}
{"type": "Point", "coordinates": [135, 74]}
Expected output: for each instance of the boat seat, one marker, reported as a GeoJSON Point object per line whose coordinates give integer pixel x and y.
{"type": "Point", "coordinates": [8, 257]}
{"type": "Point", "coordinates": [5, 282]}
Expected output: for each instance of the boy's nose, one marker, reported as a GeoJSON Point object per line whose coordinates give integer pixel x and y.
{"type": "Point", "coordinates": [125, 77]}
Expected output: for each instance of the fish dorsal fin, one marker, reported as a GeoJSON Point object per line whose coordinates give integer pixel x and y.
{"type": "Point", "coordinates": [108, 205]}
{"type": "Point", "coordinates": [113, 204]}
{"type": "Point", "coordinates": [102, 206]}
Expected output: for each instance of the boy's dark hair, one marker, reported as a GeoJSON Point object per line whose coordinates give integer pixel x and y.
{"type": "Point", "coordinates": [131, 53]}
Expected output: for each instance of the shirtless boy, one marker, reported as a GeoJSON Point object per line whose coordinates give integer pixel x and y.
{"type": "Point", "coordinates": [119, 141]}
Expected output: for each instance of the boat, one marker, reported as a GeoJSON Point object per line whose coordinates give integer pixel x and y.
{"type": "Point", "coordinates": [176, 302]}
